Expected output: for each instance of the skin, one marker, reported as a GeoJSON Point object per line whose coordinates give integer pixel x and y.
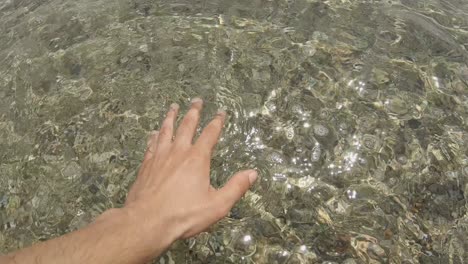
{"type": "Point", "coordinates": [171, 199]}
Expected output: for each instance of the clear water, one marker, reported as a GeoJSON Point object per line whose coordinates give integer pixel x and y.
{"type": "Point", "coordinates": [354, 112]}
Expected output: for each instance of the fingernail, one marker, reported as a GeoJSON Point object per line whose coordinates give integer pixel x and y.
{"type": "Point", "coordinates": [252, 177]}
{"type": "Point", "coordinates": [197, 100]}
{"type": "Point", "coordinates": [221, 112]}
{"type": "Point", "coordinates": [174, 106]}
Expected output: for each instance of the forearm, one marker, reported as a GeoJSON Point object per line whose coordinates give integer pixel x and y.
{"type": "Point", "coordinates": [113, 238]}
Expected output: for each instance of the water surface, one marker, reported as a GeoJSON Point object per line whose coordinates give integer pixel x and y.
{"type": "Point", "coordinates": [354, 112]}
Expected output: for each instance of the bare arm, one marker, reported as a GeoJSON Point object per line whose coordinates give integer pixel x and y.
{"type": "Point", "coordinates": [171, 199]}
{"type": "Point", "coordinates": [112, 238]}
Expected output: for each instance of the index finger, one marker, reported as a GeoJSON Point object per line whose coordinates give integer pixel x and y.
{"type": "Point", "coordinates": [210, 135]}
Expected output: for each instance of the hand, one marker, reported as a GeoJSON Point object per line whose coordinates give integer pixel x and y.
{"type": "Point", "coordinates": [173, 191]}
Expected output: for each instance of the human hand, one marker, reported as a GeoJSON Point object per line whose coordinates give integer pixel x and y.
{"type": "Point", "coordinates": [172, 191]}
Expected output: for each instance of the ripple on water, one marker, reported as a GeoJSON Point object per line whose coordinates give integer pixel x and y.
{"type": "Point", "coordinates": [293, 115]}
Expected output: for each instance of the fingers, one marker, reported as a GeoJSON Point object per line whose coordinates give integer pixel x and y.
{"type": "Point", "coordinates": [210, 135]}
{"type": "Point", "coordinates": [167, 130]}
{"type": "Point", "coordinates": [188, 127]}
{"type": "Point", "coordinates": [151, 146]}
{"type": "Point", "coordinates": [236, 187]}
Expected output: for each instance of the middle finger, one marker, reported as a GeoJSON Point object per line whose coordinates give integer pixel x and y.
{"type": "Point", "coordinates": [188, 127]}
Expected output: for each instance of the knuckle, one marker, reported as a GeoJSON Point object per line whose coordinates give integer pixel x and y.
{"type": "Point", "coordinates": [165, 131]}
{"type": "Point", "coordinates": [170, 115]}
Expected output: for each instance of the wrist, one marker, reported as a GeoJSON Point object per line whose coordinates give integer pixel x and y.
{"type": "Point", "coordinates": [151, 238]}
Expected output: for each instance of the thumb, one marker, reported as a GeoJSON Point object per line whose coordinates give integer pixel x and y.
{"type": "Point", "coordinates": [237, 186]}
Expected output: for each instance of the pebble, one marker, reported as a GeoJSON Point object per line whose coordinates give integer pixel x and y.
{"type": "Point", "coordinates": [402, 159]}
{"type": "Point", "coordinates": [321, 130]}
{"type": "Point", "coordinates": [123, 60]}
{"type": "Point", "coordinates": [377, 250]}
{"type": "Point", "coordinates": [396, 106]}
{"type": "Point", "coordinates": [276, 157]}
{"type": "Point", "coordinates": [144, 48]}
{"type": "Point", "coordinates": [349, 261]}
{"type": "Point", "coordinates": [370, 142]}
{"type": "Point", "coordinates": [316, 153]}
{"type": "Point", "coordinates": [325, 113]}
{"type": "Point", "coordinates": [289, 132]}
{"type": "Point", "coordinates": [72, 171]}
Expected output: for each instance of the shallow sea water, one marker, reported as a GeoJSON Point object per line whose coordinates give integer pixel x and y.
{"type": "Point", "coordinates": [354, 112]}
